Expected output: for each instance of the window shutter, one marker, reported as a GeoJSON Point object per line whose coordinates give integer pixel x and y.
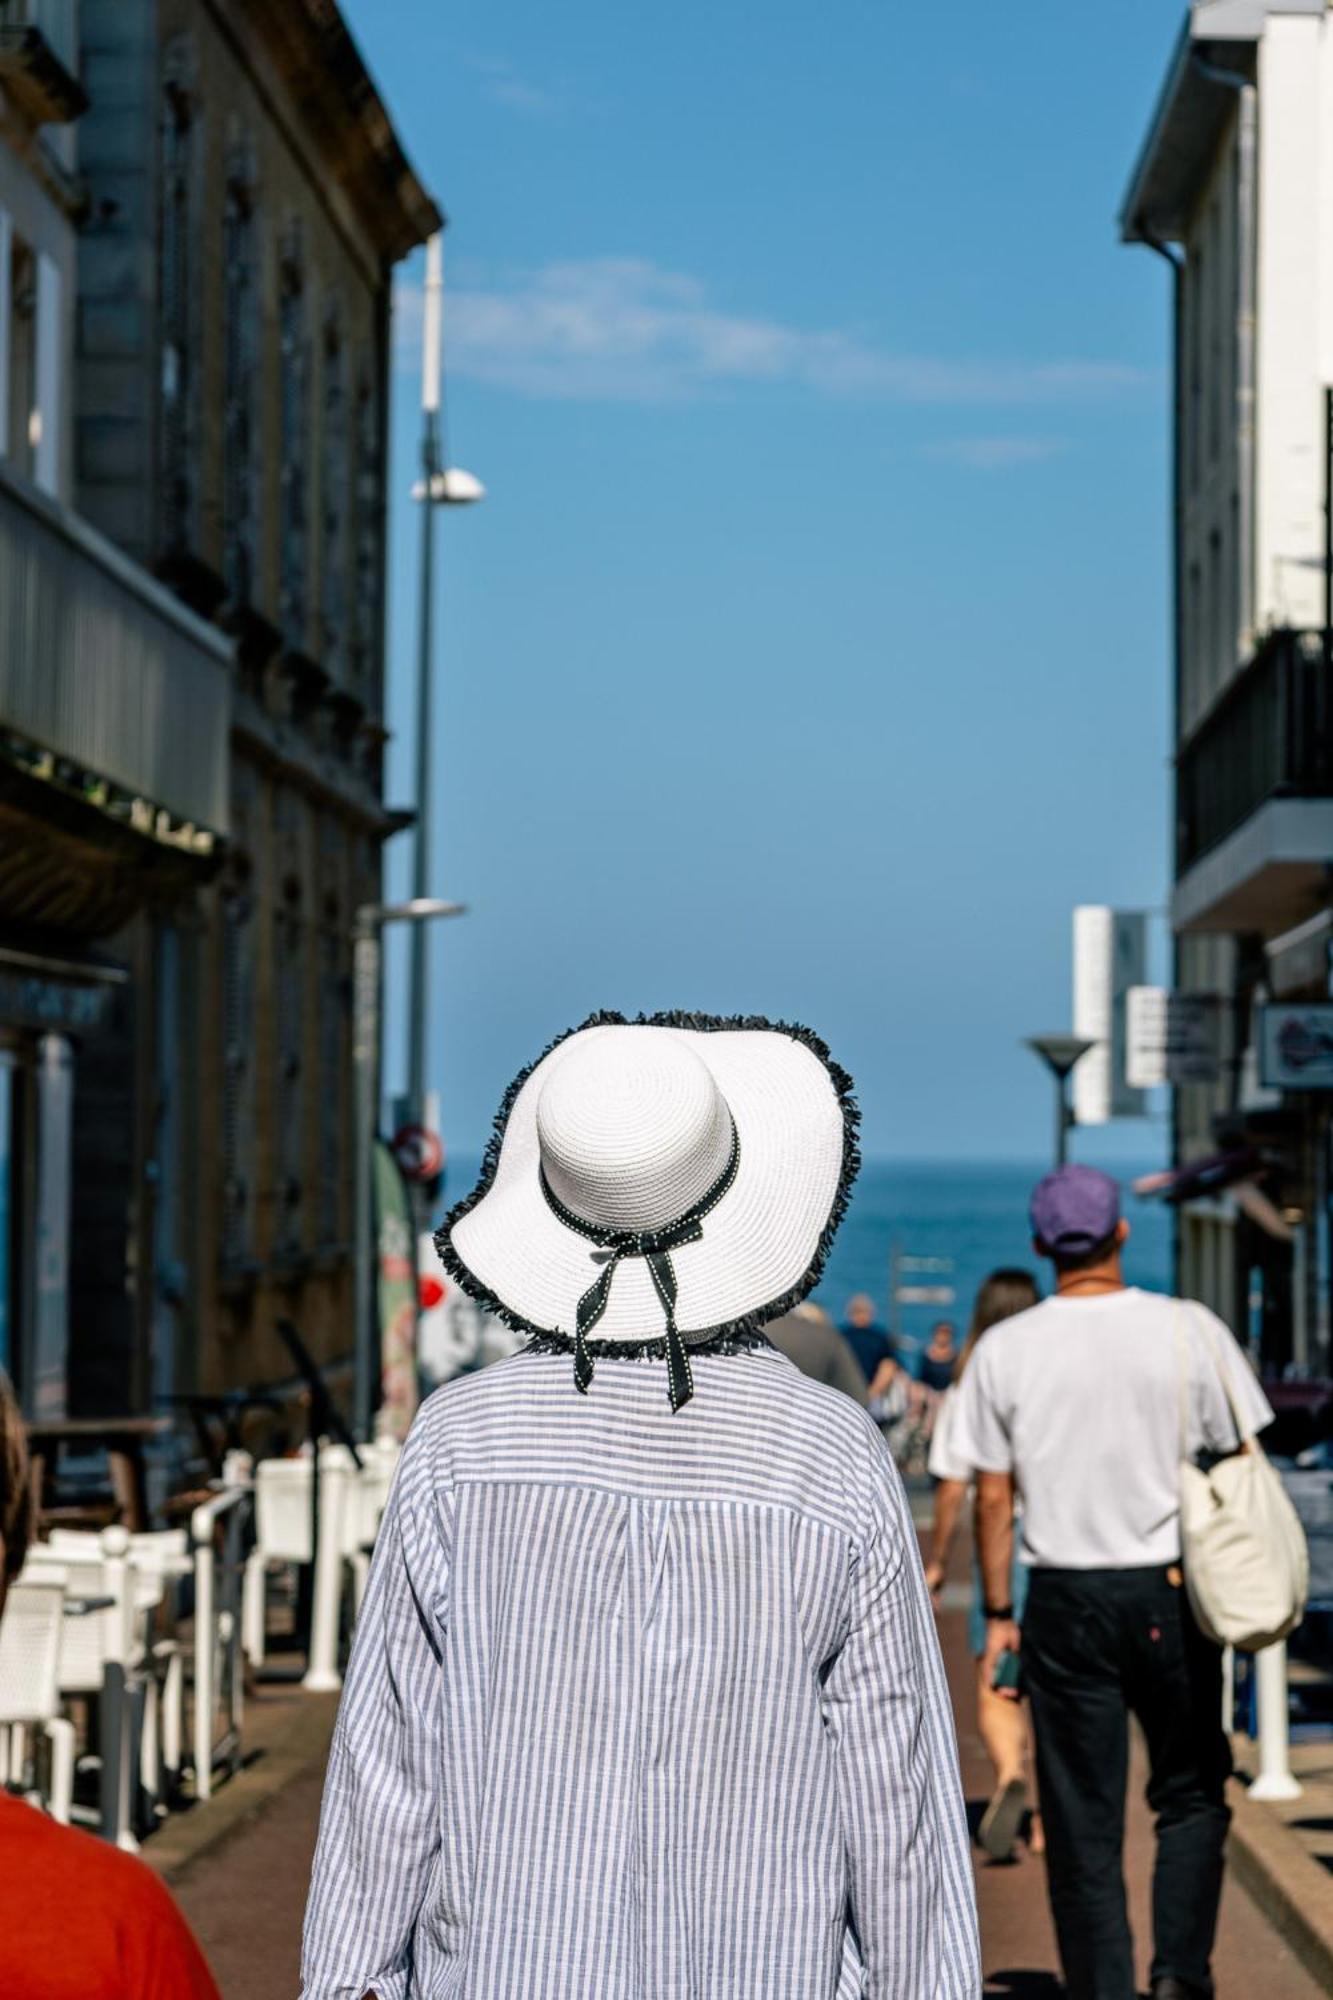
{"type": "Point", "coordinates": [6, 308]}
{"type": "Point", "coordinates": [46, 461]}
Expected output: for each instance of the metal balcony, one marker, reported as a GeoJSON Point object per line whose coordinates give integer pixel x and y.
{"type": "Point", "coordinates": [111, 693]}
{"type": "Point", "coordinates": [1254, 794]}
{"type": "Point", "coordinates": [39, 59]}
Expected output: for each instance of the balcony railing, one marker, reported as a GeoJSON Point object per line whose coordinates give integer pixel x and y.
{"type": "Point", "coordinates": [1267, 738]}
{"type": "Point", "coordinates": [126, 692]}
{"type": "Point", "coordinates": [39, 57]}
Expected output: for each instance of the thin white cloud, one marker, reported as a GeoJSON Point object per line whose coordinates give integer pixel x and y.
{"type": "Point", "coordinates": [994, 454]}
{"type": "Point", "coordinates": [624, 329]}
{"type": "Point", "coordinates": [503, 85]}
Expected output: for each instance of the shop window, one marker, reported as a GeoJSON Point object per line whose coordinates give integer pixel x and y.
{"type": "Point", "coordinates": [240, 230]}
{"type": "Point", "coordinates": [238, 1031]}
{"type": "Point", "coordinates": [177, 277]}
{"type": "Point", "coordinates": [294, 443]}
{"type": "Point", "coordinates": [333, 499]}
{"type": "Point", "coordinates": [18, 350]}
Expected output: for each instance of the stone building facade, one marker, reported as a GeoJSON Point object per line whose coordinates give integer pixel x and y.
{"type": "Point", "coordinates": [247, 199]}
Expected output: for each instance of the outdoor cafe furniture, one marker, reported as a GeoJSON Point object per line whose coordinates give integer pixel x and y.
{"type": "Point", "coordinates": [124, 1440]}
{"type": "Point", "coordinates": [30, 1648]}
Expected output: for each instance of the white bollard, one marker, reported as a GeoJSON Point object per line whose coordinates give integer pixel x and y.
{"type": "Point", "coordinates": [203, 1666]}
{"type": "Point", "coordinates": [117, 1760]}
{"type": "Point", "coordinates": [1274, 1780]}
{"type": "Point", "coordinates": [322, 1676]}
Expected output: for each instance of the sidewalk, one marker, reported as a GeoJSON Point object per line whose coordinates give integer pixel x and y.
{"type": "Point", "coordinates": [1018, 1945]}
{"type": "Point", "coordinates": [240, 1867]}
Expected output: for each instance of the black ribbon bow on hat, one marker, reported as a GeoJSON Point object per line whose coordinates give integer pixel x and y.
{"type": "Point", "coordinates": [656, 1246]}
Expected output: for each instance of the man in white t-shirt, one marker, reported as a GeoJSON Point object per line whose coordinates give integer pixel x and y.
{"type": "Point", "coordinates": [1078, 1407]}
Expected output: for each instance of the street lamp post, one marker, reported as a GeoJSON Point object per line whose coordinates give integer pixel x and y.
{"type": "Point", "coordinates": [439, 486]}
{"type": "Point", "coordinates": [1060, 1053]}
{"type": "Point", "coordinates": [366, 951]}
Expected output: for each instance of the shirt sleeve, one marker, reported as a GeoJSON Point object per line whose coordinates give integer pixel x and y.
{"type": "Point", "coordinates": [379, 1825]}
{"type": "Point", "coordinates": [979, 1433]}
{"type": "Point", "coordinates": [1216, 1354]}
{"type": "Point", "coordinates": [886, 1708]}
{"type": "Point", "coordinates": [944, 1461]}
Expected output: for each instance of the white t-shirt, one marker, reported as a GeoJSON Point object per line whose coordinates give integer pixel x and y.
{"type": "Point", "coordinates": [1080, 1399]}
{"type": "Point", "coordinates": [944, 1461]}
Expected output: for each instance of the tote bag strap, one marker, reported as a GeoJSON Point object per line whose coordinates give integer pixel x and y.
{"type": "Point", "coordinates": [1223, 1374]}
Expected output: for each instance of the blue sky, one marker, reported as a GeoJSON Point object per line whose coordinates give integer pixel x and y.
{"type": "Point", "coordinates": [809, 655]}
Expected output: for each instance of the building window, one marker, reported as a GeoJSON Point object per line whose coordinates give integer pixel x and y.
{"type": "Point", "coordinates": [176, 279]}
{"type": "Point", "coordinates": [1217, 319]}
{"type": "Point", "coordinates": [240, 386]}
{"type": "Point", "coordinates": [1195, 314]}
{"type": "Point", "coordinates": [294, 440]}
{"type": "Point", "coordinates": [333, 1075]}
{"type": "Point", "coordinates": [333, 499]}
{"type": "Point", "coordinates": [18, 350]}
{"type": "Point", "coordinates": [289, 1096]}
{"type": "Point", "coordinates": [238, 1029]}
{"type": "Point", "coordinates": [367, 541]}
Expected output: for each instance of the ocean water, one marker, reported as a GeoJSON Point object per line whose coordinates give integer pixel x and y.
{"type": "Point", "coordinates": [973, 1215]}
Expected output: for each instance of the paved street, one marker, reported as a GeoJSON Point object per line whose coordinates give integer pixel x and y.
{"type": "Point", "coordinates": [245, 1895]}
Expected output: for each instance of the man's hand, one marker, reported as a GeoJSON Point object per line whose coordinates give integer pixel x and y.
{"type": "Point", "coordinates": [1002, 1636]}
{"type": "Point", "coordinates": [935, 1581]}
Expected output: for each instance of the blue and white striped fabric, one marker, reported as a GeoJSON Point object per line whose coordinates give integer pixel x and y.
{"type": "Point", "coordinates": [644, 1707]}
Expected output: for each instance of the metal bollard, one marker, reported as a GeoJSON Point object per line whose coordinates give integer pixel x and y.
{"type": "Point", "coordinates": [116, 1749]}
{"type": "Point", "coordinates": [322, 1674]}
{"type": "Point", "coordinates": [1274, 1780]}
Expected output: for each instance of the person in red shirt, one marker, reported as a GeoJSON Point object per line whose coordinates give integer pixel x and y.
{"type": "Point", "coordinates": [78, 1919]}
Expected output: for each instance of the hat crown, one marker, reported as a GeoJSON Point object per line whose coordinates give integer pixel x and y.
{"type": "Point", "coordinates": [632, 1128]}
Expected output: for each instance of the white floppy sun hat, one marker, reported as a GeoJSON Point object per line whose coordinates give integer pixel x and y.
{"type": "Point", "coordinates": [668, 1180]}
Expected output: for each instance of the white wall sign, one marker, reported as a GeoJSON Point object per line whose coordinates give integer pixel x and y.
{"type": "Point", "coordinates": [1171, 1037]}
{"type": "Point", "coordinates": [1296, 1046]}
{"type": "Point", "coordinates": [1110, 956]}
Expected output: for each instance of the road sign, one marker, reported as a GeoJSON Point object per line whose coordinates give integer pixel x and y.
{"type": "Point", "coordinates": [925, 1295]}
{"type": "Point", "coordinates": [1171, 1037]}
{"type": "Point", "coordinates": [1296, 1046]}
{"type": "Point", "coordinates": [418, 1151]}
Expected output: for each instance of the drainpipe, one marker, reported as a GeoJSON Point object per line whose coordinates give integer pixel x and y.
{"type": "Point", "coordinates": [1177, 267]}
{"type": "Point", "coordinates": [1247, 134]}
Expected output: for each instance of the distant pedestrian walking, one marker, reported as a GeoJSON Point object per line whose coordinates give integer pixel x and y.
{"type": "Point", "coordinates": [871, 1345]}
{"type": "Point", "coordinates": [1001, 1724]}
{"type": "Point", "coordinates": [645, 1695]}
{"type": "Point", "coordinates": [807, 1336]}
{"type": "Point", "coordinates": [1088, 1402]}
{"type": "Point", "coordinates": [78, 1918]}
{"type": "Point", "coordinates": [940, 1358]}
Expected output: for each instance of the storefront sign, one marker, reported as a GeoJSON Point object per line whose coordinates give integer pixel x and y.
{"type": "Point", "coordinates": [1171, 1037]}
{"type": "Point", "coordinates": [29, 1001]}
{"type": "Point", "coordinates": [1296, 1046]}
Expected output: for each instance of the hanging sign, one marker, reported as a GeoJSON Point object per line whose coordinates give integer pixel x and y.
{"type": "Point", "coordinates": [1171, 1037]}
{"type": "Point", "coordinates": [1296, 1046]}
{"type": "Point", "coordinates": [418, 1151]}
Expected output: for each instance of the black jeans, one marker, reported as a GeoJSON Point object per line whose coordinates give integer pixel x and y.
{"type": "Point", "coordinates": [1099, 1645]}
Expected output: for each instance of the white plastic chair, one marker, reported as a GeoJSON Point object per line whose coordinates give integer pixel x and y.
{"type": "Point", "coordinates": [99, 1654]}
{"type": "Point", "coordinates": [283, 1534]}
{"type": "Point", "coordinates": [158, 1560]}
{"type": "Point", "coordinates": [368, 1497]}
{"type": "Point", "coordinates": [30, 1644]}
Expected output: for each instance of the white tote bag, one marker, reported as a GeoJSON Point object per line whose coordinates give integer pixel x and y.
{"type": "Point", "coordinates": [1247, 1568]}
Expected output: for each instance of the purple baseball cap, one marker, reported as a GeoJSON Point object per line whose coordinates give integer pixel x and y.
{"type": "Point", "coordinates": [1074, 1208]}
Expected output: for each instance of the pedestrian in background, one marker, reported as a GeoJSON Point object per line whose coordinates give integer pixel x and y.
{"type": "Point", "coordinates": [940, 1360]}
{"type": "Point", "coordinates": [1001, 1724]}
{"type": "Point", "coordinates": [1087, 1404]}
{"type": "Point", "coordinates": [79, 1920]}
{"type": "Point", "coordinates": [646, 1694]}
{"type": "Point", "coordinates": [870, 1343]}
{"type": "Point", "coordinates": [808, 1337]}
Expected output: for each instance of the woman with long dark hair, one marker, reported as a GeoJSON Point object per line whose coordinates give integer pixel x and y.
{"type": "Point", "coordinates": [1001, 1723]}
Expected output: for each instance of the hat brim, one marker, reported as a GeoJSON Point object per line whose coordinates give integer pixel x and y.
{"type": "Point", "coordinates": [765, 1242]}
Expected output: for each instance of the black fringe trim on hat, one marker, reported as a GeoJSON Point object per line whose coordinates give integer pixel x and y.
{"type": "Point", "coordinates": [730, 1342]}
{"type": "Point", "coordinates": [749, 1323]}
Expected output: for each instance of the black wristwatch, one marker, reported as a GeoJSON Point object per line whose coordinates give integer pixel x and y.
{"type": "Point", "coordinates": [1000, 1614]}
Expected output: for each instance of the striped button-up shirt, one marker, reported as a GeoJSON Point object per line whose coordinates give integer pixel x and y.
{"type": "Point", "coordinates": [644, 1707]}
